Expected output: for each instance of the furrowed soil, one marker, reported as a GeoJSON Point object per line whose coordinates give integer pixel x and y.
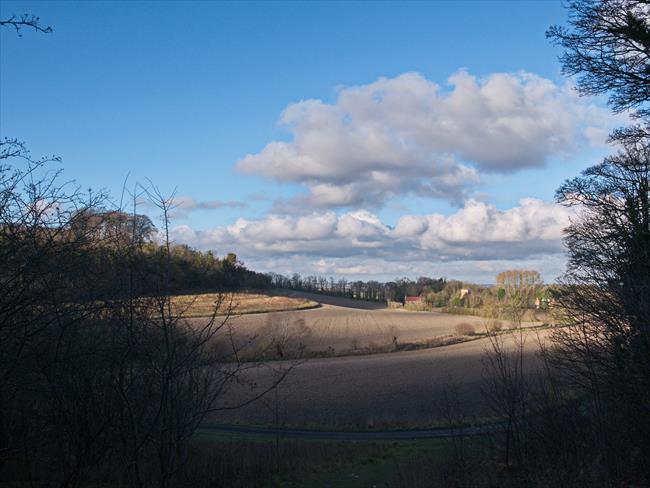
{"type": "Point", "coordinates": [343, 326]}
{"type": "Point", "coordinates": [203, 304]}
{"type": "Point", "coordinates": [383, 391]}
{"type": "Point", "coordinates": [408, 389]}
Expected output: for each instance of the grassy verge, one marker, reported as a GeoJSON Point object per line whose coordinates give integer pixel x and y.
{"type": "Point", "coordinates": [316, 463]}
{"type": "Point", "coordinates": [362, 426]}
{"type": "Point", "coordinates": [375, 469]}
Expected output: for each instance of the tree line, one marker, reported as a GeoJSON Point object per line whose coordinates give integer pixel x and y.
{"type": "Point", "coordinates": [584, 421]}
{"type": "Point", "coordinates": [371, 290]}
{"type": "Point", "coordinates": [97, 368]}
{"type": "Point", "coordinates": [432, 292]}
{"type": "Point", "coordinates": [189, 269]}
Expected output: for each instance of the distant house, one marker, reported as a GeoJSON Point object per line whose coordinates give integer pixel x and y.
{"type": "Point", "coordinates": [408, 299]}
{"type": "Point", "coordinates": [543, 303]}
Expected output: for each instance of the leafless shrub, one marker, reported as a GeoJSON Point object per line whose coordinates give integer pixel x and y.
{"type": "Point", "coordinates": [494, 325]}
{"type": "Point", "coordinates": [451, 412]}
{"type": "Point", "coordinates": [465, 329]}
{"type": "Point", "coordinates": [92, 370]}
{"type": "Point", "coordinates": [281, 337]}
{"type": "Point", "coordinates": [507, 388]}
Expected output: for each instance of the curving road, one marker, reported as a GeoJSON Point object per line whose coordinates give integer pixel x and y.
{"type": "Point", "coordinates": [387, 435]}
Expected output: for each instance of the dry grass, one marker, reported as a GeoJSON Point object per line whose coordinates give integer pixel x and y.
{"type": "Point", "coordinates": [203, 304]}
{"type": "Point", "coordinates": [260, 463]}
{"type": "Point", "coordinates": [465, 329]}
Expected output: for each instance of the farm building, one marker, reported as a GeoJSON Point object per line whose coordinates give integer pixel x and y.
{"type": "Point", "coordinates": [412, 299]}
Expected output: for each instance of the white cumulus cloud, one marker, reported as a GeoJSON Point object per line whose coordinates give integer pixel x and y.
{"type": "Point", "coordinates": [477, 232]}
{"type": "Point", "coordinates": [407, 135]}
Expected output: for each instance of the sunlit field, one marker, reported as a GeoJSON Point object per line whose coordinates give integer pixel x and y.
{"type": "Point", "coordinates": [337, 329]}
{"type": "Point", "coordinates": [207, 304]}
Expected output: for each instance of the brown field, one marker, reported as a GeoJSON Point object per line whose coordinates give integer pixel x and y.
{"type": "Point", "coordinates": [396, 390]}
{"type": "Point", "coordinates": [355, 391]}
{"type": "Point", "coordinates": [336, 329]}
{"type": "Point", "coordinates": [203, 304]}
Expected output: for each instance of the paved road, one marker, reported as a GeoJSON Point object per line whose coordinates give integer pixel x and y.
{"type": "Point", "coordinates": [354, 436]}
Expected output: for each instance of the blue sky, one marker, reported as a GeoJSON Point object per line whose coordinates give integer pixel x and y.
{"type": "Point", "coordinates": [182, 92]}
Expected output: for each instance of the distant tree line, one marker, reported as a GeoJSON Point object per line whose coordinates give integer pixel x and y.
{"type": "Point", "coordinates": [433, 292]}
{"type": "Point", "coordinates": [189, 269]}
{"type": "Point", "coordinates": [361, 290]}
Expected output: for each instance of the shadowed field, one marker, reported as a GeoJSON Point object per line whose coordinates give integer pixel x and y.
{"type": "Point", "coordinates": [338, 301]}
{"type": "Point", "coordinates": [397, 390]}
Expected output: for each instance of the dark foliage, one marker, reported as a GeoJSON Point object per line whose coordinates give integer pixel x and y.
{"type": "Point", "coordinates": [608, 47]}
{"type": "Point", "coordinates": [361, 290]}
{"type": "Point", "coordinates": [605, 353]}
{"type": "Point", "coordinates": [96, 366]}
{"type": "Point", "coordinates": [20, 22]}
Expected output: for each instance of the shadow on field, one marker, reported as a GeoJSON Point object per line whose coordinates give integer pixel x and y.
{"type": "Point", "coordinates": [337, 301]}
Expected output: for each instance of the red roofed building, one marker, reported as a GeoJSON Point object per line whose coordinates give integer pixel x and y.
{"type": "Point", "coordinates": [412, 300]}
